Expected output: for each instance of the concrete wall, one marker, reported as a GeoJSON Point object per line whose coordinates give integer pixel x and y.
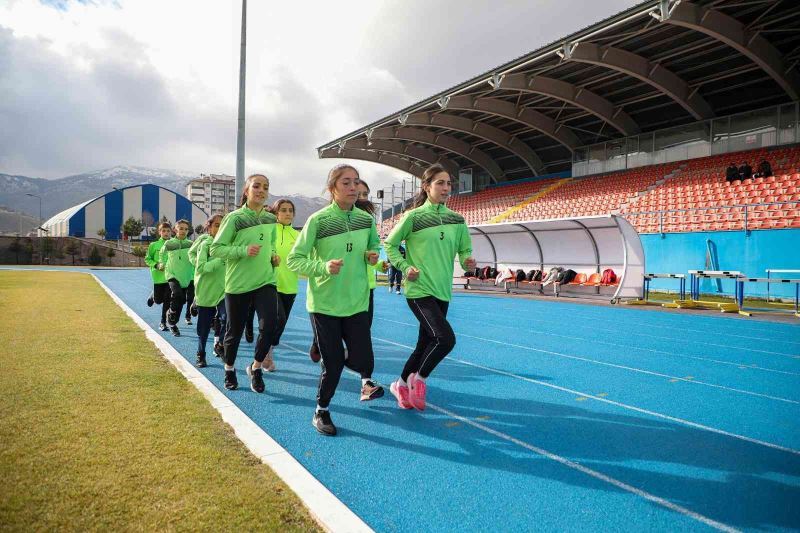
{"type": "Point", "coordinates": [60, 243]}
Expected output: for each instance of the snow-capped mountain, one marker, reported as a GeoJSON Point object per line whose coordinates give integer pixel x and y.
{"type": "Point", "coordinates": [62, 193]}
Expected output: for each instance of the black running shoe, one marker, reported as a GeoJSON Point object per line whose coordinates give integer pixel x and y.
{"type": "Point", "coordinates": [256, 379]}
{"type": "Point", "coordinates": [219, 349]}
{"type": "Point", "coordinates": [313, 352]}
{"type": "Point", "coordinates": [174, 329]}
{"type": "Point", "coordinates": [188, 321]}
{"type": "Point", "coordinates": [248, 334]}
{"type": "Point", "coordinates": [201, 360]}
{"type": "Point", "coordinates": [370, 391]}
{"type": "Point", "coordinates": [172, 318]}
{"type": "Point", "coordinates": [150, 301]}
{"type": "Point", "coordinates": [193, 309]}
{"type": "Point", "coordinates": [323, 423]}
{"type": "Point", "coordinates": [231, 383]}
{"type": "Point", "coordinates": [162, 326]}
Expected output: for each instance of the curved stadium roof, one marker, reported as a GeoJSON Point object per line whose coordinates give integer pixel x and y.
{"type": "Point", "coordinates": [661, 63]}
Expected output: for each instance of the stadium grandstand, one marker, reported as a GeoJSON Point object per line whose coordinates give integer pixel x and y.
{"type": "Point", "coordinates": [637, 116]}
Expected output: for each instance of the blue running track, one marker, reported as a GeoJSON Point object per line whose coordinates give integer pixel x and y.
{"type": "Point", "coordinates": [547, 416]}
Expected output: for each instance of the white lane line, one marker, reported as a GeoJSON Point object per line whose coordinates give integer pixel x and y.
{"type": "Point", "coordinates": [622, 367]}
{"type": "Point", "coordinates": [689, 340]}
{"type": "Point", "coordinates": [588, 471]}
{"type": "Point", "coordinates": [744, 366]}
{"type": "Point", "coordinates": [322, 504]}
{"type": "Point", "coordinates": [696, 318]}
{"type": "Point", "coordinates": [566, 462]}
{"type": "Point", "coordinates": [610, 402]}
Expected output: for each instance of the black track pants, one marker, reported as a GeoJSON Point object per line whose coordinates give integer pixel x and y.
{"type": "Point", "coordinates": [161, 294]}
{"type": "Point", "coordinates": [366, 371]}
{"type": "Point", "coordinates": [395, 277]}
{"type": "Point", "coordinates": [287, 302]}
{"type": "Point", "coordinates": [205, 318]}
{"type": "Point", "coordinates": [189, 292]}
{"type": "Point", "coordinates": [330, 332]}
{"type": "Point", "coordinates": [436, 337]}
{"type": "Point", "coordinates": [265, 301]}
{"type": "Point", "coordinates": [178, 297]}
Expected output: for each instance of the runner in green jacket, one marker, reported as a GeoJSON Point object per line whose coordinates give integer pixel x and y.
{"type": "Point", "coordinates": [178, 270]}
{"type": "Point", "coordinates": [160, 293]}
{"type": "Point", "coordinates": [209, 295]}
{"type": "Point", "coordinates": [286, 236]}
{"type": "Point", "coordinates": [363, 202]}
{"type": "Point", "coordinates": [246, 242]}
{"type": "Point", "coordinates": [333, 250]}
{"type": "Point", "coordinates": [433, 236]}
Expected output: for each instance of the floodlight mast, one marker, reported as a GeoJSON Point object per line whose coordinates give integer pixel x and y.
{"type": "Point", "coordinates": [240, 132]}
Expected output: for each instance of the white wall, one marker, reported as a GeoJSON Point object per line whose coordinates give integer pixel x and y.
{"type": "Point", "coordinates": [166, 205]}
{"type": "Point", "coordinates": [95, 217]}
{"type": "Point", "coordinates": [131, 203]}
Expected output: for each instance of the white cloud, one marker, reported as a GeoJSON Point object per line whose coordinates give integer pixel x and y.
{"type": "Point", "coordinates": [154, 82]}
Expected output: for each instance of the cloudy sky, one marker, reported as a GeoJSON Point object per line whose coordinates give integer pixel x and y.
{"type": "Point", "coordinates": [90, 84]}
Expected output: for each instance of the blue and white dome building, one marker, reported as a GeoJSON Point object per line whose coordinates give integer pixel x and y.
{"type": "Point", "coordinates": [149, 203]}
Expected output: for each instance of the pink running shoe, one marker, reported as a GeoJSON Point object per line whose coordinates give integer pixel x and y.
{"type": "Point", "coordinates": [416, 392]}
{"type": "Point", "coordinates": [401, 393]}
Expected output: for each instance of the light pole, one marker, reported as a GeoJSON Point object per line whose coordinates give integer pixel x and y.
{"type": "Point", "coordinates": [121, 231]}
{"type": "Point", "coordinates": [40, 207]}
{"type": "Point", "coordinates": [39, 229]}
{"type": "Point", "coordinates": [392, 200]}
{"type": "Point", "coordinates": [240, 130]}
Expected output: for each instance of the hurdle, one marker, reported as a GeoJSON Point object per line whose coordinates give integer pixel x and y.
{"type": "Point", "coordinates": [694, 302]}
{"type": "Point", "coordinates": [771, 271]}
{"type": "Point", "coordinates": [740, 291]}
{"type": "Point", "coordinates": [681, 283]}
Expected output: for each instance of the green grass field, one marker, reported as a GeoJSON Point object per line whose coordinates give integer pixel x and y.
{"type": "Point", "coordinates": [99, 432]}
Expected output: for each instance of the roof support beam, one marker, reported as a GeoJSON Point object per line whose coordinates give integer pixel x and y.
{"type": "Point", "coordinates": [479, 129]}
{"type": "Point", "coordinates": [364, 155]}
{"type": "Point", "coordinates": [530, 118]}
{"type": "Point", "coordinates": [642, 69]}
{"type": "Point", "coordinates": [424, 155]}
{"type": "Point", "coordinates": [730, 31]}
{"type": "Point", "coordinates": [573, 95]}
{"type": "Point", "coordinates": [445, 142]}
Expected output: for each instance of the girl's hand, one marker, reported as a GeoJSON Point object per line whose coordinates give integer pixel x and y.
{"type": "Point", "coordinates": [412, 274]}
{"type": "Point", "coordinates": [334, 266]}
{"type": "Point", "coordinates": [253, 250]}
{"type": "Point", "coordinates": [276, 260]}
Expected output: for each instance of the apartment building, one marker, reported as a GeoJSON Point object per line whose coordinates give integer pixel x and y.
{"type": "Point", "coordinates": [213, 192]}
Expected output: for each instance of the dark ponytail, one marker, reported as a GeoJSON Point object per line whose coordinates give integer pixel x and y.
{"type": "Point", "coordinates": [210, 222]}
{"type": "Point", "coordinates": [365, 205]}
{"type": "Point", "coordinates": [427, 179]}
